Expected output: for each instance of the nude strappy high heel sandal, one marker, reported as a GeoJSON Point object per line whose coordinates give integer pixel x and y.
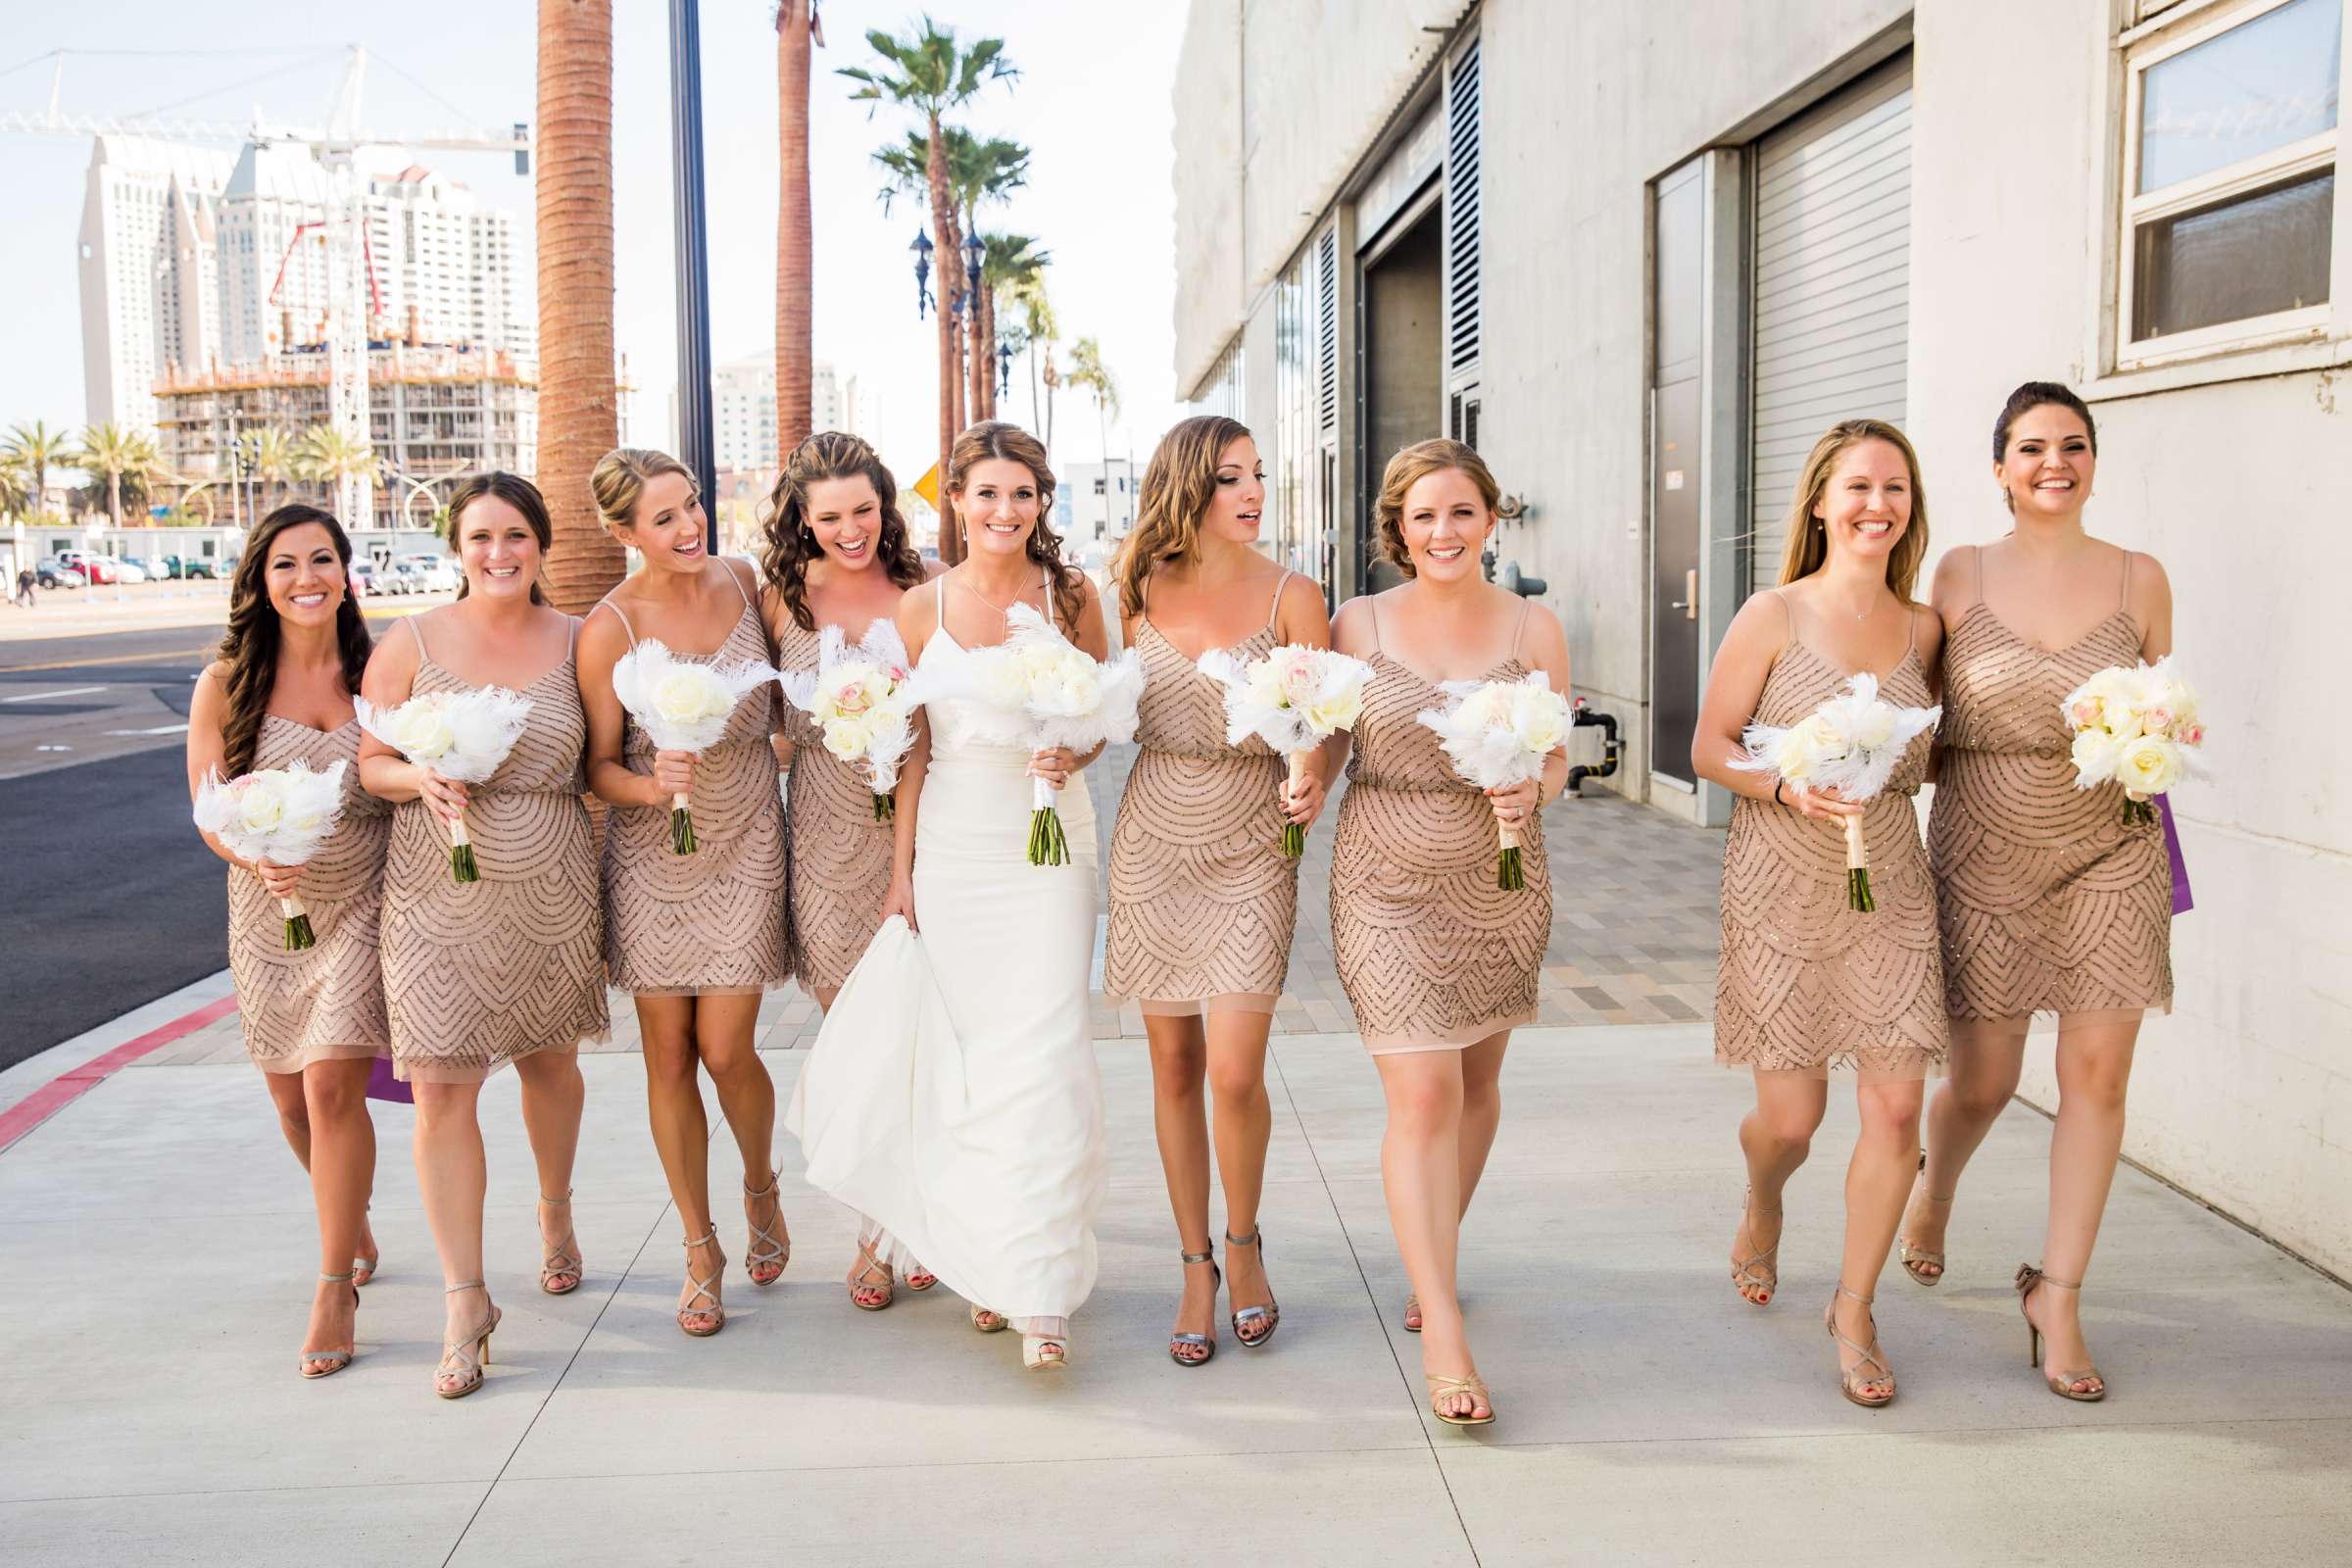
{"type": "Point", "coordinates": [1270, 1314]}
{"type": "Point", "coordinates": [314, 1364]}
{"type": "Point", "coordinates": [1205, 1344]}
{"type": "Point", "coordinates": [1914, 1258]}
{"type": "Point", "coordinates": [1442, 1389]}
{"type": "Point", "coordinates": [1853, 1381]}
{"type": "Point", "coordinates": [470, 1351]}
{"type": "Point", "coordinates": [705, 1290]}
{"type": "Point", "coordinates": [2063, 1385]}
{"type": "Point", "coordinates": [767, 1251]}
{"type": "Point", "coordinates": [565, 1262]}
{"type": "Point", "coordinates": [864, 1293]}
{"type": "Point", "coordinates": [1759, 1271]}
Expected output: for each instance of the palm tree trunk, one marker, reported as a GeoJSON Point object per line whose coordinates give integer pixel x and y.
{"type": "Point", "coordinates": [795, 262]}
{"type": "Point", "coordinates": [986, 370]}
{"type": "Point", "coordinates": [578, 403]}
{"type": "Point", "coordinates": [1034, 415]}
{"type": "Point", "coordinates": [935, 170]}
{"type": "Point", "coordinates": [113, 497]}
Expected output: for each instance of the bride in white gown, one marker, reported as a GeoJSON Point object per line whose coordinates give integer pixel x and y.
{"type": "Point", "coordinates": [953, 1094]}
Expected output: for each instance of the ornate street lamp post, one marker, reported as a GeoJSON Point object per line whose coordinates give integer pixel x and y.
{"type": "Point", "coordinates": [922, 271]}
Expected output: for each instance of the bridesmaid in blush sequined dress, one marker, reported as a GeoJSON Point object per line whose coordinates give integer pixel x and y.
{"type": "Point", "coordinates": [2049, 902]}
{"type": "Point", "coordinates": [1202, 900]}
{"type": "Point", "coordinates": [1806, 983]}
{"type": "Point", "coordinates": [510, 968]}
{"type": "Point", "coordinates": [281, 694]}
{"type": "Point", "coordinates": [1439, 963]}
{"type": "Point", "coordinates": [697, 938]}
{"type": "Point", "coordinates": [838, 555]}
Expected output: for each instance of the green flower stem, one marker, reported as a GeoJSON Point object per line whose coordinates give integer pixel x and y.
{"type": "Point", "coordinates": [1294, 839]}
{"type": "Point", "coordinates": [1510, 874]}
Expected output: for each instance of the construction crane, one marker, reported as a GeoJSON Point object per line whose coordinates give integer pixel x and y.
{"type": "Point", "coordinates": [350, 269]}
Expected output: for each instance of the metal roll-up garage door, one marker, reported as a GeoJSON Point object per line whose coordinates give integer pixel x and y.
{"type": "Point", "coordinates": [1833, 290]}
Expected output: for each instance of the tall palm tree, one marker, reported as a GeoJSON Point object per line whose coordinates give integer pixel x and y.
{"type": "Point", "coordinates": [38, 446]}
{"type": "Point", "coordinates": [578, 403]}
{"type": "Point", "coordinates": [115, 454]}
{"type": "Point", "coordinates": [1038, 332]}
{"type": "Point", "coordinates": [275, 460]}
{"type": "Point", "coordinates": [932, 74]}
{"type": "Point", "coordinates": [1088, 371]}
{"type": "Point", "coordinates": [15, 486]}
{"type": "Point", "coordinates": [327, 457]}
{"type": "Point", "coordinates": [798, 30]}
{"type": "Point", "coordinates": [1011, 262]}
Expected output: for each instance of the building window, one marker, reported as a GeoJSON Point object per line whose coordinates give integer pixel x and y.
{"type": "Point", "coordinates": [2229, 191]}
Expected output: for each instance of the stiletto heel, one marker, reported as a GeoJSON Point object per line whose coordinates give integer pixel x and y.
{"type": "Point", "coordinates": [1851, 1380]}
{"type": "Point", "coordinates": [1915, 1258]}
{"type": "Point", "coordinates": [2062, 1385]}
{"type": "Point", "coordinates": [329, 1362]}
{"type": "Point", "coordinates": [704, 1290]}
{"type": "Point", "coordinates": [766, 1247]}
{"type": "Point", "coordinates": [1206, 1343]}
{"type": "Point", "coordinates": [472, 1350]}
{"type": "Point", "coordinates": [565, 1262]}
{"type": "Point", "coordinates": [1759, 1271]}
{"type": "Point", "coordinates": [1271, 1313]}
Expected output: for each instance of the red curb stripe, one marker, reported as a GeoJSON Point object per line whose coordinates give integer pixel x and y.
{"type": "Point", "coordinates": [74, 1083]}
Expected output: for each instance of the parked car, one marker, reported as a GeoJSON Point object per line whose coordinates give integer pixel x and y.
{"type": "Point", "coordinates": [189, 567]}
{"type": "Point", "coordinates": [435, 574]}
{"type": "Point", "coordinates": [363, 579]}
{"type": "Point", "coordinates": [97, 570]}
{"type": "Point", "coordinates": [127, 570]}
{"type": "Point", "coordinates": [156, 571]}
{"type": "Point", "coordinates": [400, 578]}
{"type": "Point", "coordinates": [54, 571]}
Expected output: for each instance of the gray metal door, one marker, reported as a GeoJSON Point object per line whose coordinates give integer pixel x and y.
{"type": "Point", "coordinates": [1678, 288]}
{"type": "Point", "coordinates": [1833, 286]}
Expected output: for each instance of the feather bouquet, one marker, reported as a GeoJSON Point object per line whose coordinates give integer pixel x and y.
{"type": "Point", "coordinates": [1498, 733]}
{"type": "Point", "coordinates": [279, 814]}
{"type": "Point", "coordinates": [862, 702]}
{"type": "Point", "coordinates": [683, 705]}
{"type": "Point", "coordinates": [1038, 690]}
{"type": "Point", "coordinates": [1852, 744]}
{"type": "Point", "coordinates": [462, 736]}
{"type": "Point", "coordinates": [1294, 699]}
{"type": "Point", "coordinates": [2136, 728]}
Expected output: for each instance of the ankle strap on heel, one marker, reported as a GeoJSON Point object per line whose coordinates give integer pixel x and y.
{"type": "Point", "coordinates": [1856, 1296]}
{"type": "Point", "coordinates": [336, 1278]}
{"type": "Point", "coordinates": [2029, 1275]}
{"type": "Point", "coordinates": [1250, 1240]}
{"type": "Point", "coordinates": [1210, 1257]}
{"type": "Point", "coordinates": [469, 1285]}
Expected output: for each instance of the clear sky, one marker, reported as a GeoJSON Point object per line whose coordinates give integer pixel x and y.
{"type": "Point", "coordinates": [1092, 102]}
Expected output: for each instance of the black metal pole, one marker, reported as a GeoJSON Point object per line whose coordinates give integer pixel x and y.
{"type": "Point", "coordinates": [697, 448]}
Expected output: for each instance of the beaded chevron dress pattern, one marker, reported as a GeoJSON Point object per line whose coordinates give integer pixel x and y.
{"type": "Point", "coordinates": [2048, 903]}
{"type": "Point", "coordinates": [841, 855]}
{"type": "Point", "coordinates": [1432, 954]}
{"type": "Point", "coordinates": [712, 921]}
{"type": "Point", "coordinates": [479, 973]}
{"type": "Point", "coordinates": [326, 1001]}
{"type": "Point", "coordinates": [1806, 983]}
{"type": "Point", "coordinates": [1202, 900]}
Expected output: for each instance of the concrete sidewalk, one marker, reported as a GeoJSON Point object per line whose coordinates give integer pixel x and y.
{"type": "Point", "coordinates": [155, 1240]}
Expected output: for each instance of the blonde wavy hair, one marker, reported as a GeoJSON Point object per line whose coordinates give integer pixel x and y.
{"type": "Point", "coordinates": [1808, 547]}
{"type": "Point", "coordinates": [1178, 484]}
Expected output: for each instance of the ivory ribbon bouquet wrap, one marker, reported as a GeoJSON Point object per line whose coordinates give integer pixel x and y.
{"type": "Point", "coordinates": [1498, 733]}
{"type": "Point", "coordinates": [863, 700]}
{"type": "Point", "coordinates": [1038, 690]}
{"type": "Point", "coordinates": [1850, 744]}
{"type": "Point", "coordinates": [683, 705]}
{"type": "Point", "coordinates": [1294, 699]}
{"type": "Point", "coordinates": [279, 814]}
{"type": "Point", "coordinates": [462, 736]}
{"type": "Point", "coordinates": [2137, 727]}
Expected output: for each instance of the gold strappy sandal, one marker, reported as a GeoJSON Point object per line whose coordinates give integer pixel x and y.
{"type": "Point", "coordinates": [987, 1322]}
{"type": "Point", "coordinates": [705, 1290]}
{"type": "Point", "coordinates": [1442, 1388]}
{"type": "Point", "coordinates": [1853, 1381]}
{"type": "Point", "coordinates": [1759, 1271]}
{"type": "Point", "coordinates": [470, 1351]}
{"type": "Point", "coordinates": [765, 1258]}
{"type": "Point", "coordinates": [863, 1285]}
{"type": "Point", "coordinates": [565, 1262]}
{"type": "Point", "coordinates": [2063, 1385]}
{"type": "Point", "coordinates": [1914, 1258]}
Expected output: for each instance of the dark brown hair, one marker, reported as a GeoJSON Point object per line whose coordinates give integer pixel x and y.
{"type": "Point", "coordinates": [517, 491]}
{"type": "Point", "coordinates": [792, 544]}
{"type": "Point", "coordinates": [1808, 544]}
{"type": "Point", "coordinates": [997, 439]}
{"type": "Point", "coordinates": [2038, 393]}
{"type": "Point", "coordinates": [1408, 467]}
{"type": "Point", "coordinates": [1178, 485]}
{"type": "Point", "coordinates": [250, 645]}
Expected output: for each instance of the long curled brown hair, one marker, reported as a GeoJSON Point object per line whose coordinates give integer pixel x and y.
{"type": "Point", "coordinates": [517, 491]}
{"type": "Point", "coordinates": [1000, 439]}
{"type": "Point", "coordinates": [250, 645]}
{"type": "Point", "coordinates": [1179, 483]}
{"type": "Point", "coordinates": [792, 545]}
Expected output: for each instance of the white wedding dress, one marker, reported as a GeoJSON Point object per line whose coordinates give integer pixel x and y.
{"type": "Point", "coordinates": [953, 1094]}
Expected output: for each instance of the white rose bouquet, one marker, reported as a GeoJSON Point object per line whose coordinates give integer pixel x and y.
{"type": "Point", "coordinates": [2137, 727]}
{"type": "Point", "coordinates": [683, 705]}
{"type": "Point", "coordinates": [462, 736]}
{"type": "Point", "coordinates": [863, 700]}
{"type": "Point", "coordinates": [1294, 699]}
{"type": "Point", "coordinates": [279, 814]}
{"type": "Point", "coordinates": [1498, 733]}
{"type": "Point", "coordinates": [1040, 691]}
{"type": "Point", "coordinates": [1850, 744]}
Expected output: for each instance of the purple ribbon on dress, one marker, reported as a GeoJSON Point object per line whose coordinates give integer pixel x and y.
{"type": "Point", "coordinates": [2181, 903]}
{"type": "Point", "coordinates": [381, 1085]}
